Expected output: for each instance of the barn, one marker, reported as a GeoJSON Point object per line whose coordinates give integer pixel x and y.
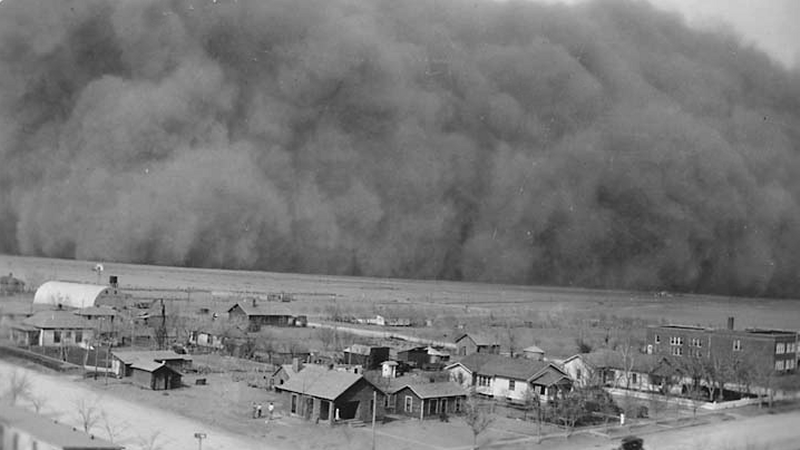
{"type": "Point", "coordinates": [74, 295]}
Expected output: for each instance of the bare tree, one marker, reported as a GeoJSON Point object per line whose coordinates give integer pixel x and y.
{"type": "Point", "coordinates": [150, 442]}
{"type": "Point", "coordinates": [38, 402]}
{"type": "Point", "coordinates": [88, 413]}
{"type": "Point", "coordinates": [478, 417]}
{"type": "Point", "coordinates": [533, 403]}
{"type": "Point", "coordinates": [512, 338]}
{"type": "Point", "coordinates": [327, 336]}
{"type": "Point", "coordinates": [19, 387]}
{"type": "Point", "coordinates": [570, 408]}
{"type": "Point", "coordinates": [113, 429]}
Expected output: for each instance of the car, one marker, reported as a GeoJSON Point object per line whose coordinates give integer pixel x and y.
{"type": "Point", "coordinates": [631, 443]}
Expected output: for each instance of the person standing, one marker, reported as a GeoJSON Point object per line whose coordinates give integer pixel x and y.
{"type": "Point", "coordinates": [258, 411]}
{"type": "Point", "coordinates": [270, 409]}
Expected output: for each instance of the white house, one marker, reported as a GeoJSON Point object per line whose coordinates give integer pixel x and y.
{"type": "Point", "coordinates": [512, 379]}
{"type": "Point", "coordinates": [636, 371]}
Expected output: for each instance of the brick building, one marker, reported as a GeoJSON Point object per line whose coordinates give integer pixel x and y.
{"type": "Point", "coordinates": [777, 349]}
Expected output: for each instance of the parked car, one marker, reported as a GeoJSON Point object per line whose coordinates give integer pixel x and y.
{"type": "Point", "coordinates": [631, 443]}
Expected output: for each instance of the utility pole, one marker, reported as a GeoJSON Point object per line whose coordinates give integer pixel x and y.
{"type": "Point", "coordinates": [374, 411]}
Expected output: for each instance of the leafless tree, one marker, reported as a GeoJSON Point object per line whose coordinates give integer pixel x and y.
{"type": "Point", "coordinates": [38, 402]}
{"type": "Point", "coordinates": [326, 336]}
{"type": "Point", "coordinates": [478, 417]}
{"type": "Point", "coordinates": [533, 404]}
{"type": "Point", "coordinates": [113, 429]}
{"type": "Point", "coordinates": [88, 413]}
{"type": "Point", "coordinates": [19, 387]}
{"type": "Point", "coordinates": [150, 442]}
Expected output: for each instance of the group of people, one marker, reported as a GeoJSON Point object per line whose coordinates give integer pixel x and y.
{"type": "Point", "coordinates": [258, 410]}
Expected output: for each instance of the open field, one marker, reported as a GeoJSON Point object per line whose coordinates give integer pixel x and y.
{"type": "Point", "coordinates": [314, 292]}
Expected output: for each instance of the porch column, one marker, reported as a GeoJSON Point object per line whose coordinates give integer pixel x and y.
{"type": "Point", "coordinates": [421, 409]}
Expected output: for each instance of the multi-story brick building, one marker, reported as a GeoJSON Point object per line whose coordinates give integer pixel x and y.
{"type": "Point", "coordinates": [777, 349]}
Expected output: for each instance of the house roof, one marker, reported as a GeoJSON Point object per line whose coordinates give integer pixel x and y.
{"type": "Point", "coordinates": [57, 319]}
{"type": "Point", "coordinates": [549, 377]}
{"type": "Point", "coordinates": [50, 432]}
{"type": "Point", "coordinates": [96, 311]}
{"type": "Point", "coordinates": [479, 338]}
{"type": "Point", "coordinates": [533, 349]}
{"type": "Point", "coordinates": [502, 366]}
{"type": "Point", "coordinates": [262, 309]}
{"type": "Point", "coordinates": [74, 295]}
{"type": "Point", "coordinates": [359, 349]}
{"type": "Point", "coordinates": [133, 356]}
{"type": "Point", "coordinates": [434, 390]}
{"type": "Point", "coordinates": [151, 366]}
{"type": "Point", "coordinates": [289, 369]}
{"type": "Point", "coordinates": [327, 385]}
{"type": "Point", "coordinates": [610, 359]}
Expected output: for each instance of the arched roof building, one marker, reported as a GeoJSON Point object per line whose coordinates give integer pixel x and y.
{"type": "Point", "coordinates": [72, 295]}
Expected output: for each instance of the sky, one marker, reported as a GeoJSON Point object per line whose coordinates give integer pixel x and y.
{"type": "Point", "coordinates": [769, 25]}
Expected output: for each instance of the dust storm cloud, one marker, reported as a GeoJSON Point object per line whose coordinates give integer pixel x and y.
{"type": "Point", "coordinates": [599, 145]}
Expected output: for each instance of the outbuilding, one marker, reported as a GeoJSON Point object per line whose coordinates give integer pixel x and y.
{"type": "Point", "coordinates": [75, 295]}
{"type": "Point", "coordinates": [155, 376]}
{"type": "Point", "coordinates": [425, 400]}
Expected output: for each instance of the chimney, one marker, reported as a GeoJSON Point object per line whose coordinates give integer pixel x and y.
{"type": "Point", "coordinates": [730, 323]}
{"type": "Point", "coordinates": [112, 281]}
{"type": "Point", "coordinates": [297, 366]}
{"type": "Point", "coordinates": [254, 302]}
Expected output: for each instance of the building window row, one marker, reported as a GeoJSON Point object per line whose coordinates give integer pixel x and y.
{"type": "Point", "coordinates": [511, 385]}
{"type": "Point", "coordinates": [677, 351]}
{"type": "Point", "coordinates": [697, 342]}
{"type": "Point", "coordinates": [791, 364]}
{"type": "Point", "coordinates": [675, 340]}
{"type": "Point", "coordinates": [484, 380]}
{"type": "Point", "coordinates": [780, 348]}
{"type": "Point", "coordinates": [791, 347]}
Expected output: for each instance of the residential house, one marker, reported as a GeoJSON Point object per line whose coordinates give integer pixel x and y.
{"type": "Point", "coordinates": [102, 319]}
{"type": "Point", "coordinates": [425, 400]}
{"type": "Point", "coordinates": [285, 372]}
{"type": "Point", "coordinates": [123, 361]}
{"type": "Point", "coordinates": [21, 429]}
{"type": "Point", "coordinates": [257, 314]}
{"type": "Point", "coordinates": [365, 355]}
{"type": "Point", "coordinates": [157, 376]}
{"type": "Point", "coordinates": [776, 349]}
{"type": "Point", "coordinates": [332, 396]}
{"type": "Point", "coordinates": [636, 371]}
{"type": "Point", "coordinates": [10, 285]}
{"type": "Point", "coordinates": [512, 379]}
{"type": "Point", "coordinates": [533, 352]}
{"type": "Point", "coordinates": [53, 328]}
{"type": "Point", "coordinates": [424, 357]}
{"type": "Point", "coordinates": [469, 343]}
{"type": "Point", "coordinates": [206, 340]}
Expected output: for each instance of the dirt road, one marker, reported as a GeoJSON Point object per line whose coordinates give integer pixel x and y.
{"type": "Point", "coordinates": [137, 426]}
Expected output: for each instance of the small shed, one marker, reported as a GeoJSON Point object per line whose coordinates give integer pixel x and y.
{"type": "Point", "coordinates": [155, 376]}
{"type": "Point", "coordinates": [533, 352]}
{"type": "Point", "coordinates": [123, 361]}
{"type": "Point", "coordinates": [425, 400]}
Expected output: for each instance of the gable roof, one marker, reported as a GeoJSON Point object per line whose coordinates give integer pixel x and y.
{"type": "Point", "coordinates": [610, 359]}
{"type": "Point", "coordinates": [327, 385]}
{"type": "Point", "coordinates": [488, 364]}
{"type": "Point", "coordinates": [290, 372]}
{"type": "Point", "coordinates": [262, 309]}
{"type": "Point", "coordinates": [57, 319]}
{"type": "Point", "coordinates": [74, 295]}
{"type": "Point", "coordinates": [434, 390]}
{"type": "Point", "coordinates": [138, 356]}
{"type": "Point", "coordinates": [152, 366]}
{"type": "Point", "coordinates": [479, 339]}
{"type": "Point", "coordinates": [361, 349]}
{"type": "Point", "coordinates": [532, 349]}
{"type": "Point", "coordinates": [50, 432]}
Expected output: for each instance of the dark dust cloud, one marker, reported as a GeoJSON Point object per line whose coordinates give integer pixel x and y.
{"type": "Point", "coordinates": [600, 145]}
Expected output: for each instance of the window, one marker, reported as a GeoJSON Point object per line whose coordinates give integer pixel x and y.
{"type": "Point", "coordinates": [697, 342]}
{"type": "Point", "coordinates": [511, 385]}
{"type": "Point", "coordinates": [484, 380]}
{"type": "Point", "coordinates": [56, 337]}
{"type": "Point", "coordinates": [790, 347]}
{"type": "Point", "coordinates": [392, 401]}
{"type": "Point", "coordinates": [578, 374]}
{"type": "Point", "coordinates": [779, 365]}
{"type": "Point", "coordinates": [677, 351]}
{"type": "Point", "coordinates": [675, 340]}
{"type": "Point", "coordinates": [68, 335]}
{"type": "Point", "coordinates": [634, 378]}
{"type": "Point", "coordinates": [409, 404]}
{"type": "Point", "coordinates": [79, 336]}
{"type": "Point", "coordinates": [658, 339]}
{"type": "Point", "coordinates": [737, 345]}
{"type": "Point", "coordinates": [790, 364]}
{"type": "Point", "coordinates": [780, 348]}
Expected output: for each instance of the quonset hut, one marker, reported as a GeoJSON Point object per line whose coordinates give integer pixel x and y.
{"type": "Point", "coordinates": [75, 295]}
